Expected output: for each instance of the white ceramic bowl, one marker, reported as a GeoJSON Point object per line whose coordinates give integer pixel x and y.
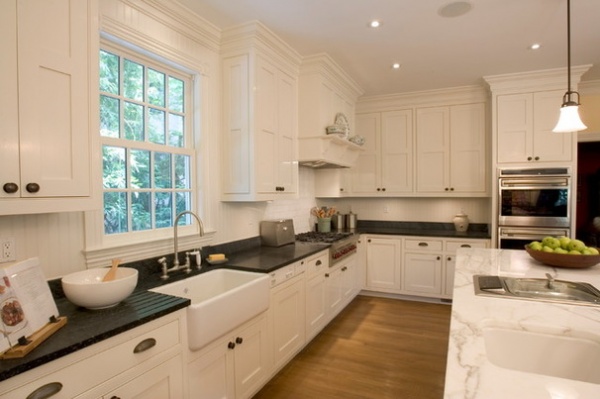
{"type": "Point", "coordinates": [86, 289]}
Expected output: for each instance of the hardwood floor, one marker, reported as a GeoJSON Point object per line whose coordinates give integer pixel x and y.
{"type": "Point", "coordinates": [376, 348]}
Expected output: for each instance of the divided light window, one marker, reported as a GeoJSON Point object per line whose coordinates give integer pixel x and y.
{"type": "Point", "coordinates": [147, 150]}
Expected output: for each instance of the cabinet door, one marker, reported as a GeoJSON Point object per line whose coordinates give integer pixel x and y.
{"type": "Point", "coordinates": [422, 274]}
{"type": "Point", "coordinates": [266, 132]}
{"type": "Point", "coordinates": [467, 148]}
{"type": "Point", "coordinates": [449, 268]}
{"type": "Point", "coordinates": [287, 167]}
{"type": "Point", "coordinates": [433, 127]}
{"type": "Point", "coordinates": [251, 352]}
{"type": "Point", "coordinates": [288, 319]}
{"type": "Point", "coordinates": [334, 284]}
{"type": "Point", "coordinates": [316, 305]}
{"type": "Point", "coordinates": [212, 375]}
{"type": "Point", "coordinates": [515, 127]}
{"type": "Point", "coordinates": [350, 279]}
{"type": "Point", "coordinates": [54, 99]}
{"type": "Point", "coordinates": [365, 171]}
{"type": "Point", "coordinates": [162, 382]}
{"type": "Point", "coordinates": [383, 263]}
{"type": "Point", "coordinates": [397, 151]}
{"type": "Point", "coordinates": [549, 146]}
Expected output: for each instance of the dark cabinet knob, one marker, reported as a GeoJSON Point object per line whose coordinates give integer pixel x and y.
{"type": "Point", "coordinates": [537, 158]}
{"type": "Point", "coordinates": [32, 187]}
{"type": "Point", "coordinates": [529, 158]}
{"type": "Point", "coordinates": [239, 340]}
{"type": "Point", "coordinates": [231, 345]}
{"type": "Point", "coordinates": [10, 188]}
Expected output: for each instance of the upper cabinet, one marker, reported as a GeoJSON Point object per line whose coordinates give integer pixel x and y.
{"type": "Point", "coordinates": [325, 91]}
{"type": "Point", "coordinates": [451, 150]}
{"type": "Point", "coordinates": [386, 165]}
{"type": "Point", "coordinates": [525, 123]}
{"type": "Point", "coordinates": [525, 109]}
{"type": "Point", "coordinates": [48, 147]}
{"type": "Point", "coordinates": [260, 91]}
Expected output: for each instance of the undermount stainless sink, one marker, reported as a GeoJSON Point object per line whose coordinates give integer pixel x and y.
{"type": "Point", "coordinates": [537, 289]}
{"type": "Point", "coordinates": [222, 299]}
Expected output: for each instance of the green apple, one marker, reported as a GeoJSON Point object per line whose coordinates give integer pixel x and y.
{"type": "Point", "coordinates": [593, 251]}
{"type": "Point", "coordinates": [535, 246]}
{"type": "Point", "coordinates": [551, 242]}
{"type": "Point", "coordinates": [564, 242]}
{"type": "Point", "coordinates": [546, 248]}
{"type": "Point", "coordinates": [576, 245]}
{"type": "Point", "coordinates": [560, 250]}
{"type": "Point", "coordinates": [586, 251]}
{"type": "Point", "coordinates": [574, 252]}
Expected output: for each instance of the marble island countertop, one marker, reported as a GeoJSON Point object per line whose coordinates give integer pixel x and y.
{"type": "Point", "coordinates": [470, 373]}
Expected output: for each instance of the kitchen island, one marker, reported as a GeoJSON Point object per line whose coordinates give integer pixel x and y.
{"type": "Point", "coordinates": [470, 372]}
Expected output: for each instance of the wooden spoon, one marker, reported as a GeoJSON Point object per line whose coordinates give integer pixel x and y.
{"type": "Point", "coordinates": [112, 273]}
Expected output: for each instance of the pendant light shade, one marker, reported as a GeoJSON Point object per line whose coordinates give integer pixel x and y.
{"type": "Point", "coordinates": [569, 120]}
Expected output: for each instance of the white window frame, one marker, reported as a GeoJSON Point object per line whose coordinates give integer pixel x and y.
{"type": "Point", "coordinates": [100, 248]}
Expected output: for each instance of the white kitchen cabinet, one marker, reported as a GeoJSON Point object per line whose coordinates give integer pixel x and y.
{"type": "Point", "coordinates": [234, 366]}
{"type": "Point", "coordinates": [383, 263]}
{"type": "Point", "coordinates": [287, 319]}
{"type": "Point", "coordinates": [385, 167]}
{"type": "Point", "coordinates": [316, 293]}
{"type": "Point", "coordinates": [422, 269]}
{"type": "Point", "coordinates": [350, 283]}
{"type": "Point", "coordinates": [451, 150]}
{"type": "Point", "coordinates": [259, 154]}
{"type": "Point", "coordinates": [49, 153]}
{"type": "Point", "coordinates": [524, 129]}
{"type": "Point", "coordinates": [113, 367]}
{"type": "Point", "coordinates": [333, 182]}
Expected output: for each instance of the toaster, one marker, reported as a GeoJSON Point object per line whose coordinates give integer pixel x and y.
{"type": "Point", "coordinates": [275, 233]}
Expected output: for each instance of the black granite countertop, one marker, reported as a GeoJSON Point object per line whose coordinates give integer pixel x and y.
{"type": "Point", "coordinates": [424, 229]}
{"type": "Point", "coordinates": [87, 327]}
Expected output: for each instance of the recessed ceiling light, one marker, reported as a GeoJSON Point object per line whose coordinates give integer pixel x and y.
{"type": "Point", "coordinates": [535, 46]}
{"type": "Point", "coordinates": [375, 23]}
{"type": "Point", "coordinates": [455, 9]}
{"type": "Point", "coordinates": [396, 65]}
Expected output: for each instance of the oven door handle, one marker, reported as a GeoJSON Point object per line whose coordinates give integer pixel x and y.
{"type": "Point", "coordinates": [535, 183]}
{"type": "Point", "coordinates": [532, 233]}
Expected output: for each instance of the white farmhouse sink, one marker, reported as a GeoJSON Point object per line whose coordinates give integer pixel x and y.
{"type": "Point", "coordinates": [575, 358]}
{"type": "Point", "coordinates": [222, 299]}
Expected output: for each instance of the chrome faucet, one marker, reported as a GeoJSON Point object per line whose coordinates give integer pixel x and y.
{"type": "Point", "coordinates": [176, 266]}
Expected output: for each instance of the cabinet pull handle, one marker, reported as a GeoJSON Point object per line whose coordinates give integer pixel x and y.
{"type": "Point", "coordinates": [239, 340]}
{"type": "Point", "coordinates": [144, 345]}
{"type": "Point", "coordinates": [529, 158]}
{"type": "Point", "coordinates": [231, 345]}
{"type": "Point", "coordinates": [449, 258]}
{"type": "Point", "coordinates": [326, 274]}
{"type": "Point", "coordinates": [10, 188]}
{"type": "Point", "coordinates": [319, 263]}
{"type": "Point", "coordinates": [32, 187]}
{"type": "Point", "coordinates": [115, 397]}
{"type": "Point", "coordinates": [466, 246]}
{"type": "Point", "coordinates": [423, 244]}
{"type": "Point", "coordinates": [537, 158]}
{"type": "Point", "coordinates": [45, 391]}
{"type": "Point", "coordinates": [439, 257]}
{"type": "Point", "coordinates": [344, 268]}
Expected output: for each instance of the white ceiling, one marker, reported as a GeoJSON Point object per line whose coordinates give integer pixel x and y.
{"type": "Point", "coordinates": [434, 51]}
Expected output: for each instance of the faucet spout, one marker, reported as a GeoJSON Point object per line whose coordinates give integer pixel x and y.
{"type": "Point", "coordinates": [175, 242]}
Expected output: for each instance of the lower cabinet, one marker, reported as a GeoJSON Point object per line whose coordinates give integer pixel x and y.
{"type": "Point", "coordinates": [287, 321]}
{"type": "Point", "coordinates": [316, 295]}
{"type": "Point", "coordinates": [416, 266]}
{"type": "Point", "coordinates": [234, 366]}
{"type": "Point", "coordinates": [113, 368]}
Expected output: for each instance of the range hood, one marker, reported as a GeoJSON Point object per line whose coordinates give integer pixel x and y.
{"type": "Point", "coordinates": [327, 151]}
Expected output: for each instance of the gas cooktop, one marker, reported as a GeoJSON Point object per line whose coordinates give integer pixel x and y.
{"type": "Point", "coordinates": [315, 236]}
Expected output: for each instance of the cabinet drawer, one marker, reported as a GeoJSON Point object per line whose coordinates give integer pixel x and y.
{"type": "Point", "coordinates": [317, 264]}
{"type": "Point", "coordinates": [452, 246]}
{"type": "Point", "coordinates": [424, 244]}
{"type": "Point", "coordinates": [82, 375]}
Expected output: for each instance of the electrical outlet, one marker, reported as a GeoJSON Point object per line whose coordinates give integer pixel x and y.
{"type": "Point", "coordinates": [386, 209]}
{"type": "Point", "coordinates": [7, 250]}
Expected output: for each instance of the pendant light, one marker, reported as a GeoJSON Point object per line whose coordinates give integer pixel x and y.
{"type": "Point", "coordinates": [569, 120]}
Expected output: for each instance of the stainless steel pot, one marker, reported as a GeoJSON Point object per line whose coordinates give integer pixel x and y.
{"type": "Point", "coordinates": [338, 221]}
{"type": "Point", "coordinates": [351, 221]}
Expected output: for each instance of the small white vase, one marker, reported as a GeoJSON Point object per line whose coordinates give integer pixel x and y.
{"type": "Point", "coordinates": [461, 222]}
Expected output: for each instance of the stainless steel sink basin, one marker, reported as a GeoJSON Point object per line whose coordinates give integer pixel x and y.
{"type": "Point", "coordinates": [537, 289]}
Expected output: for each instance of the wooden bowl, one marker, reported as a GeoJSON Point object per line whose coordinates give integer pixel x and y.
{"type": "Point", "coordinates": [563, 260]}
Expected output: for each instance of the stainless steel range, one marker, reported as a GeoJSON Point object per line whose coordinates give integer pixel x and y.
{"type": "Point", "coordinates": [343, 244]}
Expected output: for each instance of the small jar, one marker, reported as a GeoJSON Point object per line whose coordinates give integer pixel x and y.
{"type": "Point", "coordinates": [461, 222]}
{"type": "Point", "coordinates": [324, 225]}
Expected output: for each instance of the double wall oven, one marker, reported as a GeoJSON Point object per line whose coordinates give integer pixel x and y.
{"type": "Point", "coordinates": [532, 204]}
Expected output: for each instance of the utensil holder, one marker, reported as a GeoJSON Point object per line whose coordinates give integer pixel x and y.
{"type": "Point", "coordinates": [324, 225]}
